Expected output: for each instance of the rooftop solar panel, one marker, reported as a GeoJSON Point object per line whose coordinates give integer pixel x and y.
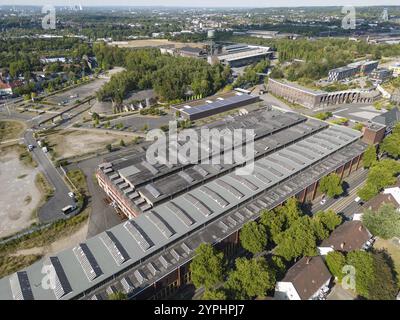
{"type": "Point", "coordinates": [232, 190]}
{"type": "Point", "coordinates": [185, 248]}
{"type": "Point", "coordinates": [127, 284]}
{"type": "Point", "coordinates": [200, 170]}
{"type": "Point", "coordinates": [161, 224]}
{"type": "Point", "coordinates": [175, 254]}
{"type": "Point", "coordinates": [61, 285]}
{"type": "Point", "coordinates": [114, 247]}
{"type": "Point", "coordinates": [87, 261]}
{"type": "Point", "coordinates": [154, 192]}
{"type": "Point", "coordinates": [291, 158]}
{"type": "Point", "coordinates": [20, 286]}
{"type": "Point", "coordinates": [180, 214]}
{"type": "Point", "coordinates": [270, 169]}
{"type": "Point", "coordinates": [199, 205]}
{"type": "Point", "coordinates": [185, 177]}
{"type": "Point", "coordinates": [280, 163]}
{"type": "Point", "coordinates": [164, 262]}
{"type": "Point", "coordinates": [152, 268]}
{"type": "Point", "coordinates": [214, 196]}
{"type": "Point", "coordinates": [140, 276]}
{"type": "Point", "coordinates": [306, 155]}
{"type": "Point", "coordinates": [245, 182]}
{"type": "Point", "coordinates": [308, 146]}
{"type": "Point", "coordinates": [261, 177]}
{"type": "Point", "coordinates": [149, 167]}
{"type": "Point", "coordinates": [139, 235]}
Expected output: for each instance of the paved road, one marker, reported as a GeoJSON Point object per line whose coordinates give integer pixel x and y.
{"type": "Point", "coordinates": [51, 210]}
{"type": "Point", "coordinates": [345, 205]}
{"type": "Point", "coordinates": [102, 216]}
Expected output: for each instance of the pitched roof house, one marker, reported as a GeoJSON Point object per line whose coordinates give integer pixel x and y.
{"type": "Point", "coordinates": [308, 279]}
{"type": "Point", "coordinates": [349, 236]}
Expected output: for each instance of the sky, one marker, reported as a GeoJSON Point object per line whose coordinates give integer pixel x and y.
{"type": "Point", "coordinates": [204, 3]}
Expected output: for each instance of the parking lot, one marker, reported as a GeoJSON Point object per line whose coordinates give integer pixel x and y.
{"type": "Point", "coordinates": [357, 112]}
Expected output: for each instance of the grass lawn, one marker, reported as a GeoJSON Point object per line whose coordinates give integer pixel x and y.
{"type": "Point", "coordinates": [11, 264]}
{"type": "Point", "coordinates": [393, 249]}
{"type": "Point", "coordinates": [10, 129]}
{"type": "Point", "coordinates": [78, 178]}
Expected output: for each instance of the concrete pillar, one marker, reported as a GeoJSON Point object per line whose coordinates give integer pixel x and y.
{"type": "Point", "coordinates": [359, 161]}
{"type": "Point", "coordinates": [315, 189]}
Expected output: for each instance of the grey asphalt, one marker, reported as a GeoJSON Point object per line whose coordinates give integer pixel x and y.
{"type": "Point", "coordinates": [102, 216]}
{"type": "Point", "coordinates": [52, 209]}
{"type": "Point", "coordinates": [345, 205]}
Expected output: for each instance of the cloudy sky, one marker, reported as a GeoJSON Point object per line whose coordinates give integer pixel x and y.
{"type": "Point", "coordinates": [207, 3]}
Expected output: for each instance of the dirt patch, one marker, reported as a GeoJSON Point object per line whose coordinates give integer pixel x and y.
{"type": "Point", "coordinates": [11, 129]}
{"type": "Point", "coordinates": [19, 195]}
{"type": "Point", "coordinates": [71, 143]}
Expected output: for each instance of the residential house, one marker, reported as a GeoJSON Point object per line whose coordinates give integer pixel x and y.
{"type": "Point", "coordinates": [349, 236]}
{"type": "Point", "coordinates": [308, 279]}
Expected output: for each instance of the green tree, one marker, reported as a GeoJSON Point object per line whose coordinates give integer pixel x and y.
{"type": "Point", "coordinates": [299, 240]}
{"type": "Point", "coordinates": [335, 261]}
{"type": "Point", "coordinates": [385, 223]}
{"type": "Point", "coordinates": [391, 145]}
{"type": "Point", "coordinates": [207, 266]}
{"type": "Point", "coordinates": [382, 174]}
{"type": "Point", "coordinates": [274, 223]}
{"type": "Point", "coordinates": [109, 147]}
{"type": "Point", "coordinates": [292, 211]}
{"type": "Point", "coordinates": [250, 279]}
{"type": "Point", "coordinates": [253, 237]}
{"type": "Point", "coordinates": [369, 157]}
{"type": "Point", "coordinates": [122, 143]}
{"type": "Point", "coordinates": [375, 278]}
{"type": "Point", "coordinates": [331, 185]}
{"type": "Point", "coordinates": [117, 296]}
{"type": "Point", "coordinates": [216, 294]}
{"type": "Point", "coordinates": [329, 219]}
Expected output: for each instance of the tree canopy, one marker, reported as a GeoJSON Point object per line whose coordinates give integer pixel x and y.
{"type": "Point", "coordinates": [335, 261]}
{"type": "Point", "coordinates": [298, 240]}
{"type": "Point", "coordinates": [382, 174]}
{"type": "Point", "coordinates": [331, 185]}
{"type": "Point", "coordinates": [391, 144]}
{"type": "Point", "coordinates": [369, 157]}
{"type": "Point", "coordinates": [253, 237]}
{"type": "Point", "coordinates": [251, 278]}
{"type": "Point", "coordinates": [207, 266]}
{"type": "Point", "coordinates": [171, 77]}
{"type": "Point", "coordinates": [217, 294]}
{"type": "Point", "coordinates": [384, 223]}
{"type": "Point", "coordinates": [374, 277]}
{"type": "Point", "coordinates": [329, 219]}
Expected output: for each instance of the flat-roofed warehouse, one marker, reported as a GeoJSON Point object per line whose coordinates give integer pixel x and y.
{"type": "Point", "coordinates": [149, 255]}
{"type": "Point", "coordinates": [210, 106]}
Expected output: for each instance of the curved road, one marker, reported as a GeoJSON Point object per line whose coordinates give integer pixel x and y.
{"type": "Point", "coordinates": [51, 210]}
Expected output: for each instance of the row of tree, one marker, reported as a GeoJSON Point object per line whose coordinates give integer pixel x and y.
{"type": "Point", "coordinates": [381, 173]}
{"type": "Point", "coordinates": [286, 229]}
